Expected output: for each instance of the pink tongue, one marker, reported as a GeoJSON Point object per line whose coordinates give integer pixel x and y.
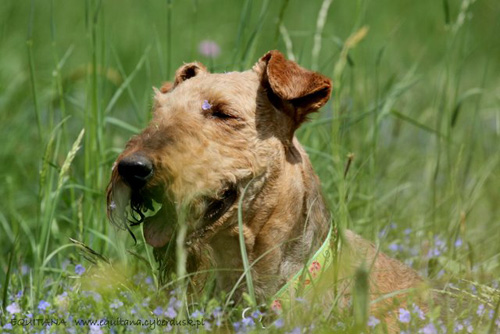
{"type": "Point", "coordinates": [157, 231]}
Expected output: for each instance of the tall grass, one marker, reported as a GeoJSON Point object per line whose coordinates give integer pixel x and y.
{"type": "Point", "coordinates": [415, 114]}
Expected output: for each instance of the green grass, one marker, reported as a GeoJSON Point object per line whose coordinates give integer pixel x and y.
{"type": "Point", "coordinates": [416, 102]}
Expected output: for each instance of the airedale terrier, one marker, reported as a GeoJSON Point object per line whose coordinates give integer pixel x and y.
{"type": "Point", "coordinates": [212, 136]}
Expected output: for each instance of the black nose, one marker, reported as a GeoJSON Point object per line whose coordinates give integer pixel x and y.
{"type": "Point", "coordinates": [136, 170]}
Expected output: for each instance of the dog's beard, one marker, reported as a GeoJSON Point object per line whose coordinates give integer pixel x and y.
{"type": "Point", "coordinates": [127, 207]}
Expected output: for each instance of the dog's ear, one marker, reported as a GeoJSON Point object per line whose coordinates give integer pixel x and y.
{"type": "Point", "coordinates": [291, 88]}
{"type": "Point", "coordinates": [187, 71]}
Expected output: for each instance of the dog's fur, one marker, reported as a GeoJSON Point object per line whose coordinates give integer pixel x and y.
{"type": "Point", "coordinates": [211, 136]}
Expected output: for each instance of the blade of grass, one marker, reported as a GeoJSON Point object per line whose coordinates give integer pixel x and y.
{"type": "Point", "coordinates": [126, 82]}
{"type": "Point", "coordinates": [243, 249]}
{"type": "Point", "coordinates": [320, 24]}
{"type": "Point", "coordinates": [7, 279]}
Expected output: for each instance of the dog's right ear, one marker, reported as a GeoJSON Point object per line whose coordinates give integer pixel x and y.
{"type": "Point", "coordinates": [291, 88]}
{"type": "Point", "coordinates": [187, 71]}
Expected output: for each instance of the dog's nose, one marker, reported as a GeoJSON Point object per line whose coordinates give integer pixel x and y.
{"type": "Point", "coordinates": [136, 170]}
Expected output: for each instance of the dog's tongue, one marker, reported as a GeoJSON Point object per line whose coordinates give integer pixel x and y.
{"type": "Point", "coordinates": [157, 231]}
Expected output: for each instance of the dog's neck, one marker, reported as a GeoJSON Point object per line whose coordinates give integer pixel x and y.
{"type": "Point", "coordinates": [292, 224]}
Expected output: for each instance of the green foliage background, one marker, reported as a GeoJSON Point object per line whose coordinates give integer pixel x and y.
{"type": "Point", "coordinates": [416, 100]}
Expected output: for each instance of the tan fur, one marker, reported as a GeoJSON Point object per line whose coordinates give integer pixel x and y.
{"type": "Point", "coordinates": [196, 155]}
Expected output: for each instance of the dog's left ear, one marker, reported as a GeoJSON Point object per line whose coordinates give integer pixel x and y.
{"type": "Point", "coordinates": [291, 88]}
{"type": "Point", "coordinates": [187, 71]}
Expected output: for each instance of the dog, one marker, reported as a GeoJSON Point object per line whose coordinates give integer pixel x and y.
{"type": "Point", "coordinates": [220, 143]}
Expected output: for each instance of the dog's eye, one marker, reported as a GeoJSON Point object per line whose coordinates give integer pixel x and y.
{"type": "Point", "coordinates": [222, 115]}
{"type": "Point", "coordinates": [218, 111]}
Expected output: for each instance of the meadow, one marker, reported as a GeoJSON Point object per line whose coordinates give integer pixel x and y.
{"type": "Point", "coordinates": [415, 112]}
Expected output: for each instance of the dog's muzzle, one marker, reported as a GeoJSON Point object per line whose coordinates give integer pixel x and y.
{"type": "Point", "coordinates": [135, 170]}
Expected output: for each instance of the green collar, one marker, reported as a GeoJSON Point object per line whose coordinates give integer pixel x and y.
{"type": "Point", "coordinates": [302, 282]}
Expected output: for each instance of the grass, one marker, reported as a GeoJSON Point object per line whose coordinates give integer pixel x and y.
{"type": "Point", "coordinates": [415, 112]}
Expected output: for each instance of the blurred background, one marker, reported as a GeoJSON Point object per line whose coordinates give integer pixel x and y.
{"type": "Point", "coordinates": [416, 101]}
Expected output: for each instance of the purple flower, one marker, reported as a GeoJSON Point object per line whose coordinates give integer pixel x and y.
{"type": "Point", "coordinates": [19, 294]}
{"type": "Point", "coordinates": [170, 313]}
{"type": "Point", "coordinates": [394, 247]}
{"type": "Point", "coordinates": [207, 326]}
{"type": "Point", "coordinates": [217, 312]}
{"type": "Point", "coordinates": [13, 308]}
{"type": "Point", "coordinates": [429, 329]}
{"type": "Point", "coordinates": [404, 316]}
{"type": "Point", "coordinates": [418, 312]}
{"type": "Point", "coordinates": [480, 310]}
{"type": "Point", "coordinates": [206, 105]}
{"type": "Point", "coordinates": [95, 329]}
{"type": "Point", "coordinates": [257, 314]}
{"type": "Point", "coordinates": [149, 280]}
{"type": "Point", "coordinates": [237, 326]}
{"type": "Point", "coordinates": [43, 305]}
{"type": "Point", "coordinates": [458, 243]}
{"type": "Point", "coordinates": [158, 311]}
{"type": "Point", "coordinates": [7, 326]}
{"type": "Point", "coordinates": [116, 304]}
{"type": "Point", "coordinates": [79, 269]}
{"type": "Point", "coordinates": [458, 327]}
{"type": "Point", "coordinates": [248, 322]}
{"type": "Point", "coordinates": [407, 231]}
{"type": "Point", "coordinates": [296, 330]}
{"type": "Point", "coordinates": [279, 323]}
{"type": "Point", "coordinates": [373, 322]}
{"type": "Point", "coordinates": [209, 48]}
{"type": "Point", "coordinates": [434, 252]}
{"type": "Point", "coordinates": [196, 314]}
{"type": "Point", "coordinates": [25, 269]}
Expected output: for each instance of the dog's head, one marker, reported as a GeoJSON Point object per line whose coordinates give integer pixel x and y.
{"type": "Point", "coordinates": [209, 136]}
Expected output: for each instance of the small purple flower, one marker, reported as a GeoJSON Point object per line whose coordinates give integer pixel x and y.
{"type": "Point", "coordinates": [404, 316]}
{"type": "Point", "coordinates": [206, 105]}
{"type": "Point", "coordinates": [458, 327]}
{"type": "Point", "coordinates": [7, 326]}
{"type": "Point", "coordinates": [95, 329]}
{"type": "Point", "coordinates": [248, 322]}
{"type": "Point", "coordinates": [13, 308]}
{"type": "Point", "coordinates": [149, 280]}
{"type": "Point", "coordinates": [19, 294]}
{"type": "Point", "coordinates": [170, 313]}
{"type": "Point", "coordinates": [79, 269]}
{"type": "Point", "coordinates": [418, 311]}
{"type": "Point", "coordinates": [480, 310]}
{"type": "Point", "coordinates": [279, 323]}
{"type": "Point", "coordinates": [116, 304]}
{"type": "Point", "coordinates": [458, 243]}
{"type": "Point", "coordinates": [407, 231]}
{"type": "Point", "coordinates": [217, 312]}
{"type": "Point", "coordinates": [209, 48]}
{"type": "Point", "coordinates": [25, 269]}
{"type": "Point", "coordinates": [158, 311]}
{"type": "Point", "coordinates": [237, 326]}
{"type": "Point", "coordinates": [257, 314]}
{"type": "Point", "coordinates": [43, 305]}
{"type": "Point", "coordinates": [394, 247]}
{"type": "Point", "coordinates": [373, 322]}
{"type": "Point", "coordinates": [296, 330]}
{"type": "Point", "coordinates": [429, 329]}
{"type": "Point", "coordinates": [196, 314]}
